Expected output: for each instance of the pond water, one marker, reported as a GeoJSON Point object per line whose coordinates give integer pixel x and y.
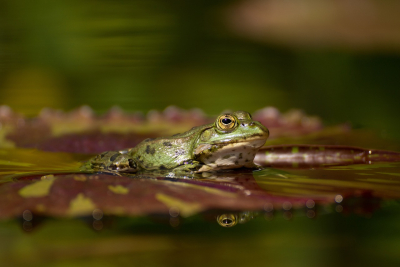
{"type": "Point", "coordinates": [317, 200]}
{"type": "Point", "coordinates": [321, 216]}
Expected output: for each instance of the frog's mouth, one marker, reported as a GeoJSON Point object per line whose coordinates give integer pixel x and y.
{"type": "Point", "coordinates": [254, 138]}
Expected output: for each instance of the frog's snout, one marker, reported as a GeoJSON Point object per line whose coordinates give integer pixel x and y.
{"type": "Point", "coordinates": [261, 127]}
{"type": "Point", "coordinates": [251, 124]}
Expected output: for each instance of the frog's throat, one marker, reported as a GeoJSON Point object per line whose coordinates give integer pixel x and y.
{"type": "Point", "coordinates": [228, 156]}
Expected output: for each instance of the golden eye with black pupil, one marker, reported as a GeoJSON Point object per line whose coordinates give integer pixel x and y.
{"type": "Point", "coordinates": [226, 122]}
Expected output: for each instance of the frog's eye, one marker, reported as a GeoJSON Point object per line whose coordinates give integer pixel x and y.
{"type": "Point", "coordinates": [227, 220]}
{"type": "Point", "coordinates": [226, 122]}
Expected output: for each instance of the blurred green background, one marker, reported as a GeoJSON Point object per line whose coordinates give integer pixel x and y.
{"type": "Point", "coordinates": [334, 59]}
{"type": "Point", "coordinates": [339, 60]}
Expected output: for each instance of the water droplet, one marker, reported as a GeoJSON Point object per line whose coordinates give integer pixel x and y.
{"type": "Point", "coordinates": [174, 212]}
{"type": "Point", "coordinates": [97, 214]}
{"type": "Point", "coordinates": [268, 216]}
{"type": "Point", "coordinates": [310, 204]}
{"type": "Point", "coordinates": [287, 205]}
{"type": "Point", "coordinates": [287, 215]}
{"type": "Point", "coordinates": [268, 207]}
{"type": "Point", "coordinates": [339, 208]}
{"type": "Point", "coordinates": [174, 222]}
{"type": "Point", "coordinates": [338, 198]}
{"type": "Point", "coordinates": [27, 226]}
{"type": "Point", "coordinates": [97, 225]}
{"type": "Point", "coordinates": [27, 215]}
{"type": "Point", "coordinates": [310, 214]}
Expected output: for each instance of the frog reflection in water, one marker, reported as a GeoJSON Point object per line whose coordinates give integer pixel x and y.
{"type": "Point", "coordinates": [231, 142]}
{"type": "Point", "coordinates": [231, 219]}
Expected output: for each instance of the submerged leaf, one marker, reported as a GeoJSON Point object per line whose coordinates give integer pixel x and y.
{"type": "Point", "coordinates": [37, 189]}
{"type": "Point", "coordinates": [185, 209]}
{"type": "Point", "coordinates": [118, 189]}
{"type": "Point", "coordinates": [81, 206]}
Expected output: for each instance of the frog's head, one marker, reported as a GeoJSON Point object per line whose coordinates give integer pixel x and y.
{"type": "Point", "coordinates": [231, 142]}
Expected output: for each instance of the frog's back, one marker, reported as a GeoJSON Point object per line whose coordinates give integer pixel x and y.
{"type": "Point", "coordinates": [166, 152]}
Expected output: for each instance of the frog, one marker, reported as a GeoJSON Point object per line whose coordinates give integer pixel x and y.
{"type": "Point", "coordinates": [231, 142]}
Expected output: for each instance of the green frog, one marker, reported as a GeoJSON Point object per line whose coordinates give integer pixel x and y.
{"type": "Point", "coordinates": [230, 142]}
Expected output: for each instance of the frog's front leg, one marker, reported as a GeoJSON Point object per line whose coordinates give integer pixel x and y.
{"type": "Point", "coordinates": [189, 166]}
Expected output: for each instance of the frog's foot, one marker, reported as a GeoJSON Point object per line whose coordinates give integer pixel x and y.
{"type": "Point", "coordinates": [188, 166]}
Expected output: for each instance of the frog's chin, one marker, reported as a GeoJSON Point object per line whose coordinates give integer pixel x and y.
{"type": "Point", "coordinates": [228, 155]}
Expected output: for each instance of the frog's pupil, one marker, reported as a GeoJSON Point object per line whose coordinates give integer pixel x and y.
{"type": "Point", "coordinates": [227, 221]}
{"type": "Point", "coordinates": [226, 121]}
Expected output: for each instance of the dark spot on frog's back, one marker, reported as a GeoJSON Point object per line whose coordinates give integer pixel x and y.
{"type": "Point", "coordinates": [236, 162]}
{"type": "Point", "coordinates": [113, 157]}
{"type": "Point", "coordinates": [167, 144]}
{"type": "Point", "coordinates": [132, 164]}
{"type": "Point", "coordinates": [240, 156]}
{"type": "Point", "coordinates": [180, 152]}
{"type": "Point", "coordinates": [138, 159]}
{"type": "Point", "coordinates": [162, 167]}
{"type": "Point", "coordinates": [150, 150]}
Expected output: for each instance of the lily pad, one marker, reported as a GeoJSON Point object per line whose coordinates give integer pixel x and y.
{"type": "Point", "coordinates": [46, 181]}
